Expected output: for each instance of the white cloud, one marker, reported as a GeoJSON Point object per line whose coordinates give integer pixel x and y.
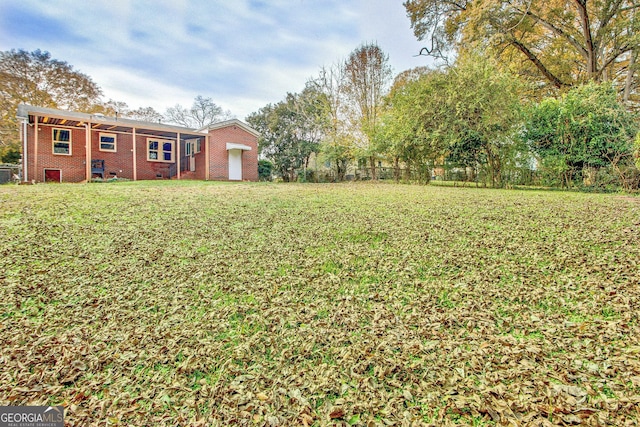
{"type": "Point", "coordinates": [242, 53]}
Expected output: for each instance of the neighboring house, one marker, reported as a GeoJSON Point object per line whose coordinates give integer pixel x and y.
{"type": "Point", "coordinates": [66, 146]}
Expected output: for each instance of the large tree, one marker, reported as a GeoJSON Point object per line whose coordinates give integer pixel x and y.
{"type": "Point", "coordinates": [291, 130]}
{"type": "Point", "coordinates": [337, 147]}
{"type": "Point", "coordinates": [36, 78]}
{"type": "Point", "coordinates": [561, 42]}
{"type": "Point", "coordinates": [366, 79]}
{"type": "Point", "coordinates": [405, 132]}
{"type": "Point", "coordinates": [203, 112]}
{"type": "Point", "coordinates": [468, 113]}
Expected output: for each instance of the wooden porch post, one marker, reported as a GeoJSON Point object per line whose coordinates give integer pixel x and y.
{"type": "Point", "coordinates": [35, 148]}
{"type": "Point", "coordinates": [87, 136]}
{"type": "Point", "coordinates": [135, 156]}
{"type": "Point", "coordinates": [178, 155]}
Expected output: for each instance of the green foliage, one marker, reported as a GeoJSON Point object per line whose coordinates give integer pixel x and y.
{"type": "Point", "coordinates": [585, 128]}
{"type": "Point", "coordinates": [636, 153]}
{"type": "Point", "coordinates": [10, 154]}
{"type": "Point", "coordinates": [406, 131]}
{"type": "Point", "coordinates": [291, 130]}
{"type": "Point", "coordinates": [265, 169]}
{"type": "Point", "coordinates": [467, 113]}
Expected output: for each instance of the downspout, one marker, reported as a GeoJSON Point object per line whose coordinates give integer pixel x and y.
{"type": "Point", "coordinates": [25, 175]}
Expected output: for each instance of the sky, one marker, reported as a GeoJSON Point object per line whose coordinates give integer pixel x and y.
{"type": "Point", "coordinates": [243, 54]}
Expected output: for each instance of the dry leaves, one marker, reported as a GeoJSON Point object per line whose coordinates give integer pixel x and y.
{"type": "Point", "coordinates": [190, 303]}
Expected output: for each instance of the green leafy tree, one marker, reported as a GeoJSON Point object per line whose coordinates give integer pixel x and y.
{"type": "Point", "coordinates": [469, 112]}
{"type": "Point", "coordinates": [10, 154]}
{"type": "Point", "coordinates": [406, 132]}
{"type": "Point", "coordinates": [265, 169]}
{"type": "Point", "coordinates": [291, 131]}
{"type": "Point", "coordinates": [585, 128]}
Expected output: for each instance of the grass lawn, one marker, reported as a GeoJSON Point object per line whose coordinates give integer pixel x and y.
{"type": "Point", "coordinates": [193, 303]}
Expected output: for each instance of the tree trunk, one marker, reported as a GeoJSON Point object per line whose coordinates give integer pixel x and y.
{"type": "Point", "coordinates": [396, 168]}
{"type": "Point", "coordinates": [494, 166]}
{"type": "Point", "coordinates": [630, 72]}
{"type": "Point", "coordinates": [372, 161]}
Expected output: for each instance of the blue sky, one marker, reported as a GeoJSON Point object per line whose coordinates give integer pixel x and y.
{"type": "Point", "coordinates": [243, 54]}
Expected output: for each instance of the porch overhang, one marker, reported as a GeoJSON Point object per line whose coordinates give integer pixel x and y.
{"type": "Point", "coordinates": [98, 122]}
{"type": "Point", "coordinates": [234, 146]}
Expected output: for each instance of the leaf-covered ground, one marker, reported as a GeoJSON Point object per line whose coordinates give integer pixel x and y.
{"type": "Point", "coordinates": [190, 303]}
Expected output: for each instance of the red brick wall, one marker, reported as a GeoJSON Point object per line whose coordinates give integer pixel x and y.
{"type": "Point", "coordinates": [147, 169]}
{"type": "Point", "coordinates": [120, 162]}
{"type": "Point", "coordinates": [201, 166]}
{"type": "Point", "coordinates": [219, 159]}
{"type": "Point", "coordinates": [73, 167]}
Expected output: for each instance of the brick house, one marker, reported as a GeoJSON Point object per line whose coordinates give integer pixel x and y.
{"type": "Point", "coordinates": [66, 146]}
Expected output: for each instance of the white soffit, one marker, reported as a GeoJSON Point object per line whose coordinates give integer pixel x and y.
{"type": "Point", "coordinates": [232, 146]}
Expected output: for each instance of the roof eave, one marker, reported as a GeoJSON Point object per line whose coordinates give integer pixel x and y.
{"type": "Point", "coordinates": [232, 122]}
{"type": "Point", "coordinates": [24, 110]}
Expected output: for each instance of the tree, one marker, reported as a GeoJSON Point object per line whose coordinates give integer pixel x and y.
{"type": "Point", "coordinates": [366, 77]}
{"type": "Point", "coordinates": [145, 114]}
{"type": "Point", "coordinates": [291, 131]}
{"type": "Point", "coordinates": [337, 144]}
{"type": "Point", "coordinates": [265, 168]}
{"type": "Point", "coordinates": [203, 112]}
{"type": "Point", "coordinates": [111, 108]}
{"type": "Point", "coordinates": [10, 154]}
{"type": "Point", "coordinates": [469, 112]}
{"type": "Point", "coordinates": [562, 42]}
{"type": "Point", "coordinates": [586, 128]}
{"type": "Point", "coordinates": [37, 79]}
{"type": "Point", "coordinates": [405, 132]}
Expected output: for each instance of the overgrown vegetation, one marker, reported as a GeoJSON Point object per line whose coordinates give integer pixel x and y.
{"type": "Point", "coordinates": [192, 303]}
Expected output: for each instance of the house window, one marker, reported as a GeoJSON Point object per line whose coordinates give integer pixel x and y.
{"type": "Point", "coordinates": [198, 145]}
{"type": "Point", "coordinates": [160, 150]}
{"type": "Point", "coordinates": [108, 142]}
{"type": "Point", "coordinates": [62, 141]}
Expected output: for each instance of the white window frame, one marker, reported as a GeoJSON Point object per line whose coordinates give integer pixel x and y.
{"type": "Point", "coordinates": [108, 135]}
{"type": "Point", "coordinates": [198, 145]}
{"type": "Point", "coordinates": [159, 151]}
{"type": "Point", "coordinates": [54, 141]}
